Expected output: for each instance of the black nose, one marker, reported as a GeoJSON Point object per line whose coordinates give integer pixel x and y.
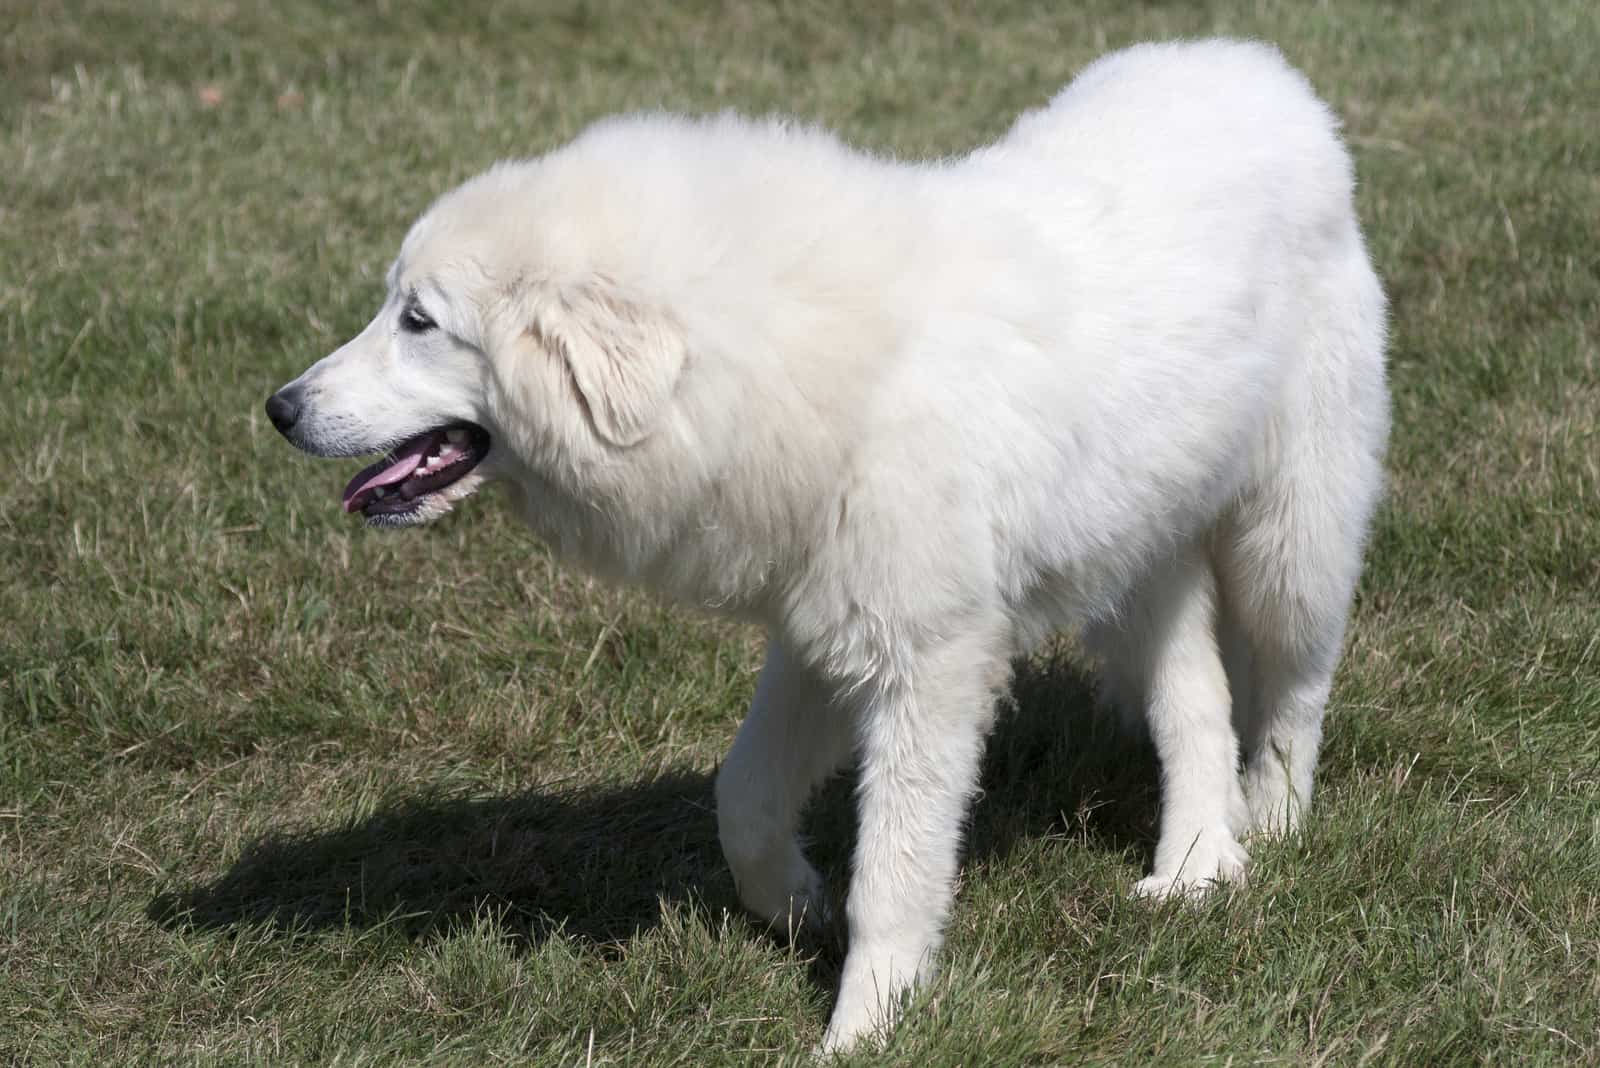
{"type": "Point", "coordinates": [283, 408]}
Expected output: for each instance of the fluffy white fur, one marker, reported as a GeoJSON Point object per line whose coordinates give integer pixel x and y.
{"type": "Point", "coordinates": [1122, 370]}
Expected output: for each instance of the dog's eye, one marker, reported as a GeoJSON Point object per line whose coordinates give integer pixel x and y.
{"type": "Point", "coordinates": [414, 320]}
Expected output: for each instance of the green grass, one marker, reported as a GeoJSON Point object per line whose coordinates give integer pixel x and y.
{"type": "Point", "coordinates": [273, 788]}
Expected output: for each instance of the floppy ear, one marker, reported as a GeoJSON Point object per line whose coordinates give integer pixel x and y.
{"type": "Point", "coordinates": [624, 357]}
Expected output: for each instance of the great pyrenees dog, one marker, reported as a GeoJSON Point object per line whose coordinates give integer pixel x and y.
{"type": "Point", "coordinates": [1121, 371]}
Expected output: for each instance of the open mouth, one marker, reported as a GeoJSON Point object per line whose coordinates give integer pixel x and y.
{"type": "Point", "coordinates": [401, 485]}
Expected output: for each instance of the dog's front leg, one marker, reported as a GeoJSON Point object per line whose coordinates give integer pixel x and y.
{"type": "Point", "coordinates": [920, 738]}
{"type": "Point", "coordinates": [795, 736]}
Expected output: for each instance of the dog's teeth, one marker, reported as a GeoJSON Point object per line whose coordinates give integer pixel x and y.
{"type": "Point", "coordinates": [455, 437]}
{"type": "Point", "coordinates": [380, 493]}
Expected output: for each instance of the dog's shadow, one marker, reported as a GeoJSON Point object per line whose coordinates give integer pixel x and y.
{"type": "Point", "coordinates": [598, 863]}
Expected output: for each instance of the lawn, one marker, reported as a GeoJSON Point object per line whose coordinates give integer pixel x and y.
{"type": "Point", "coordinates": [275, 788]}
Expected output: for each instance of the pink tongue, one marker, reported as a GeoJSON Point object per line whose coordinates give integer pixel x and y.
{"type": "Point", "coordinates": [388, 471]}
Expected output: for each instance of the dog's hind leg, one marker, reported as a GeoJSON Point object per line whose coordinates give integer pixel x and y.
{"type": "Point", "coordinates": [1166, 638]}
{"type": "Point", "coordinates": [1288, 561]}
{"type": "Point", "coordinates": [794, 737]}
{"type": "Point", "coordinates": [1289, 553]}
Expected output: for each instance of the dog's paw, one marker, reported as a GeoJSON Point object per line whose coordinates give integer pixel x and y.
{"type": "Point", "coordinates": [841, 1038]}
{"type": "Point", "coordinates": [1275, 806]}
{"type": "Point", "coordinates": [874, 990]}
{"type": "Point", "coordinates": [794, 901]}
{"type": "Point", "coordinates": [1209, 859]}
{"type": "Point", "coordinates": [1179, 887]}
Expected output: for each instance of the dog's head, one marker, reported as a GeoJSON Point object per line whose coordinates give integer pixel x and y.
{"type": "Point", "coordinates": [503, 349]}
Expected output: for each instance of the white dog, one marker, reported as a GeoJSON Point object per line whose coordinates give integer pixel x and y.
{"type": "Point", "coordinates": [1122, 370]}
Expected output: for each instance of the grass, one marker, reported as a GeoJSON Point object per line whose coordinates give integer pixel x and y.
{"type": "Point", "coordinates": [276, 789]}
